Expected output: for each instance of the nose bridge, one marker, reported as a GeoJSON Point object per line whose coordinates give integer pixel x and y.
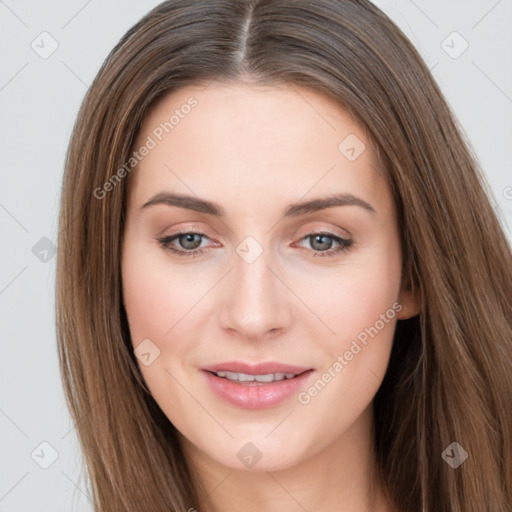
{"type": "Point", "coordinates": [251, 268]}
{"type": "Point", "coordinates": [254, 282]}
{"type": "Point", "coordinates": [256, 299]}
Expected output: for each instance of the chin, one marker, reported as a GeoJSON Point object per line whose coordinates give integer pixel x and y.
{"type": "Point", "coordinates": [258, 453]}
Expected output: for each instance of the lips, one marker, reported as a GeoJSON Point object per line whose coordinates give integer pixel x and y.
{"type": "Point", "coordinates": [255, 393]}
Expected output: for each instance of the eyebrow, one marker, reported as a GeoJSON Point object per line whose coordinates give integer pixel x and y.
{"type": "Point", "coordinates": [291, 210]}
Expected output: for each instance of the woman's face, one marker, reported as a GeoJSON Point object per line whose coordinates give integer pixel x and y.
{"type": "Point", "coordinates": [282, 277]}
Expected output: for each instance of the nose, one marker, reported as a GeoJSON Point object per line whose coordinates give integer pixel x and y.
{"type": "Point", "coordinates": [258, 303]}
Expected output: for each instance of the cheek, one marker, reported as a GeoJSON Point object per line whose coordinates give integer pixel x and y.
{"type": "Point", "coordinates": [166, 305]}
{"type": "Point", "coordinates": [155, 299]}
{"type": "Point", "coordinates": [359, 306]}
{"type": "Point", "coordinates": [156, 305]}
{"type": "Point", "coordinates": [354, 296]}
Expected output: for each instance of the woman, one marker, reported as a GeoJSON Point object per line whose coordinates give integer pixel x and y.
{"type": "Point", "coordinates": [281, 281]}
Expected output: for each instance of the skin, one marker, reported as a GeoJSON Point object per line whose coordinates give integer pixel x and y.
{"type": "Point", "coordinates": [254, 150]}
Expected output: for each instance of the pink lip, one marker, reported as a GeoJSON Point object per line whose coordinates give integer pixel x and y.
{"type": "Point", "coordinates": [251, 395]}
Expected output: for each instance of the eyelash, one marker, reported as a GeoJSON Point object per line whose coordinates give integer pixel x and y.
{"type": "Point", "coordinates": [344, 244]}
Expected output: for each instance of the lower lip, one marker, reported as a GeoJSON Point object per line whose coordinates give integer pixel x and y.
{"type": "Point", "coordinates": [256, 396]}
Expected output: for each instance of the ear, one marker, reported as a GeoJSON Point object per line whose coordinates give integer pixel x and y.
{"type": "Point", "coordinates": [409, 298]}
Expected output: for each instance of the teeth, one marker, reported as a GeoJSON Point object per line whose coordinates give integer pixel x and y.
{"type": "Point", "coordinates": [244, 377]}
{"type": "Point", "coordinates": [268, 377]}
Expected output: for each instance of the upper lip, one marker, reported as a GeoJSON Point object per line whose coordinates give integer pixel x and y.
{"type": "Point", "coordinates": [256, 368]}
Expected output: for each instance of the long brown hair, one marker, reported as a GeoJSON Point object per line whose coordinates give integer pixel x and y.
{"type": "Point", "coordinates": [450, 374]}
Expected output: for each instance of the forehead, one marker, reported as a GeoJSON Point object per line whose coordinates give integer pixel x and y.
{"type": "Point", "coordinates": [236, 139]}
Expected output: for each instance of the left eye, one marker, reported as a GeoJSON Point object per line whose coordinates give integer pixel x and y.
{"type": "Point", "coordinates": [319, 241]}
{"type": "Point", "coordinates": [191, 242]}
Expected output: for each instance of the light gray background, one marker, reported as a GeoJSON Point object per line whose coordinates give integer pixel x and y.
{"type": "Point", "coordinates": [39, 99]}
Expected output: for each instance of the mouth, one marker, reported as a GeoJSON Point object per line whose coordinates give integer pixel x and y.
{"type": "Point", "coordinates": [257, 386]}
